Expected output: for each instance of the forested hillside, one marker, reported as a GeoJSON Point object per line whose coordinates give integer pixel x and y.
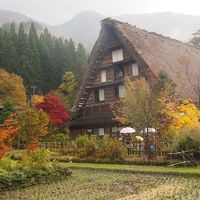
{"type": "Point", "coordinates": [40, 58]}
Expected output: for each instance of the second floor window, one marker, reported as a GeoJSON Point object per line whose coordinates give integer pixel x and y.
{"type": "Point", "coordinates": [117, 55]}
{"type": "Point", "coordinates": [119, 73]}
{"type": "Point", "coordinates": [119, 91]}
{"type": "Point", "coordinates": [103, 76]}
{"type": "Point", "coordinates": [99, 95]}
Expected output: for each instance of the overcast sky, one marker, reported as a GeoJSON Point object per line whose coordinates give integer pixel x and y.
{"type": "Point", "coordinates": [58, 11]}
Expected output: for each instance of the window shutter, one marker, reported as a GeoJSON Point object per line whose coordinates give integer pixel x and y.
{"type": "Point", "coordinates": [117, 55]}
{"type": "Point", "coordinates": [121, 91]}
{"type": "Point", "coordinates": [103, 76]}
{"type": "Point", "coordinates": [135, 69]}
{"type": "Point", "coordinates": [101, 131]}
{"type": "Point", "coordinates": [101, 95]}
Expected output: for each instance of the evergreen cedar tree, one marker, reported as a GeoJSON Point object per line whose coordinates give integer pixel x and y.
{"type": "Point", "coordinates": [40, 59]}
{"type": "Point", "coordinates": [8, 109]}
{"type": "Point", "coordinates": [57, 112]}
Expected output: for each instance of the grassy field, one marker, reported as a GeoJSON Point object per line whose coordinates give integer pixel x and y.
{"type": "Point", "coordinates": [187, 171]}
{"type": "Point", "coordinates": [87, 184]}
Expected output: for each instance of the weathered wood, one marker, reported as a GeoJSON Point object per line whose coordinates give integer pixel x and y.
{"type": "Point", "coordinates": [97, 113]}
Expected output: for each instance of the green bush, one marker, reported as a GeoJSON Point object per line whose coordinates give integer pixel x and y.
{"type": "Point", "coordinates": [126, 161]}
{"type": "Point", "coordinates": [92, 147]}
{"type": "Point", "coordinates": [17, 176]}
{"type": "Point", "coordinates": [186, 139]}
{"type": "Point", "coordinates": [3, 175]}
{"type": "Point", "coordinates": [81, 142]}
{"type": "Point", "coordinates": [33, 168]}
{"type": "Point", "coordinates": [58, 137]}
{"type": "Point", "coordinates": [8, 164]}
{"type": "Point", "coordinates": [103, 148]}
{"type": "Point", "coordinates": [110, 148]}
{"type": "Point", "coordinates": [29, 176]}
{"type": "Point", "coordinates": [189, 144]}
{"type": "Point", "coordinates": [36, 159]}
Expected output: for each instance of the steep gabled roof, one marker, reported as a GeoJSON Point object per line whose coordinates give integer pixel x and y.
{"type": "Point", "coordinates": [155, 51]}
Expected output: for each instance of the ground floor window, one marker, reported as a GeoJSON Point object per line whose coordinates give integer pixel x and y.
{"type": "Point", "coordinates": [89, 130]}
{"type": "Point", "coordinates": [101, 131]}
{"type": "Point", "coordinates": [114, 129]}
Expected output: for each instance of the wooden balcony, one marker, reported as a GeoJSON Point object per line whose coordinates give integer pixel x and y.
{"type": "Point", "coordinates": [100, 119]}
{"type": "Point", "coordinates": [116, 82]}
{"type": "Point", "coordinates": [125, 61]}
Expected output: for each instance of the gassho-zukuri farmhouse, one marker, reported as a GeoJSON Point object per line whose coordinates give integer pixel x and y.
{"type": "Point", "coordinates": [124, 50]}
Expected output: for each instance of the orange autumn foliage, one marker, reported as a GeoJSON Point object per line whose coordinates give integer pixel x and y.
{"type": "Point", "coordinates": [8, 131]}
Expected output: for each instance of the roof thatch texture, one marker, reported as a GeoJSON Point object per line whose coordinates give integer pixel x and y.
{"type": "Point", "coordinates": [180, 60]}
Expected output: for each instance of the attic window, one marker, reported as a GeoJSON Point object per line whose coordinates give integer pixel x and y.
{"type": "Point", "coordinates": [103, 76]}
{"type": "Point", "coordinates": [117, 55]}
{"type": "Point", "coordinates": [135, 69]}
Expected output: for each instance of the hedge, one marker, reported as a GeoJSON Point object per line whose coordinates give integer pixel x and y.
{"type": "Point", "coordinates": [27, 176]}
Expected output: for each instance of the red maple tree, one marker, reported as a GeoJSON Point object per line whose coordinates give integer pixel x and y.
{"type": "Point", "coordinates": [55, 109]}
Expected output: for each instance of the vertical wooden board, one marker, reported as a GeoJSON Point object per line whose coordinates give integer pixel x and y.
{"type": "Point", "coordinates": [104, 108]}
{"type": "Point", "coordinates": [91, 98]}
{"type": "Point", "coordinates": [83, 131]}
{"type": "Point", "coordinates": [107, 130]}
{"type": "Point", "coordinates": [109, 94]}
{"type": "Point", "coordinates": [110, 75]}
{"type": "Point", "coordinates": [128, 69]}
{"type": "Point", "coordinates": [126, 54]}
{"type": "Point", "coordinates": [107, 60]}
{"type": "Point", "coordinates": [97, 79]}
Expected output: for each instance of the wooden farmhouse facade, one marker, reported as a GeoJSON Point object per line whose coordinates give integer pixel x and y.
{"type": "Point", "coordinates": [124, 50]}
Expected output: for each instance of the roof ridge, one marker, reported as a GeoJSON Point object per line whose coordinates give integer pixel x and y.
{"type": "Point", "coordinates": [110, 20]}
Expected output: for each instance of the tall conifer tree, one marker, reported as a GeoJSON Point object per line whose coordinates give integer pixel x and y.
{"type": "Point", "coordinates": [35, 57]}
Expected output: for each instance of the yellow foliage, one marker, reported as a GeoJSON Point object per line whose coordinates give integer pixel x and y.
{"type": "Point", "coordinates": [38, 98]}
{"type": "Point", "coordinates": [185, 115]}
{"type": "Point", "coordinates": [12, 88]}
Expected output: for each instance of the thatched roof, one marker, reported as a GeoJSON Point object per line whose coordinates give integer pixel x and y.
{"type": "Point", "coordinates": [154, 51]}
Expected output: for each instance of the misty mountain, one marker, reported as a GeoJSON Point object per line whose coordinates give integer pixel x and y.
{"type": "Point", "coordinates": [9, 16]}
{"type": "Point", "coordinates": [85, 26]}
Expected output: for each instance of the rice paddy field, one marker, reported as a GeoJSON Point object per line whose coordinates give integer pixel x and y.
{"type": "Point", "coordinates": [87, 184]}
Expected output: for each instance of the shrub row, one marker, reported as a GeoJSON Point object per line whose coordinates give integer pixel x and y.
{"type": "Point", "coordinates": [34, 167]}
{"type": "Point", "coordinates": [103, 147]}
{"type": "Point", "coordinates": [28, 176]}
{"type": "Point", "coordinates": [135, 161]}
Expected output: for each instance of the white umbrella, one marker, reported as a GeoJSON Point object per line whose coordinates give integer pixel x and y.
{"type": "Point", "coordinates": [127, 130]}
{"type": "Point", "coordinates": [150, 130]}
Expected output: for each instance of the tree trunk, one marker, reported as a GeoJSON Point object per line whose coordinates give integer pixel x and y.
{"type": "Point", "coordinates": [18, 141]}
